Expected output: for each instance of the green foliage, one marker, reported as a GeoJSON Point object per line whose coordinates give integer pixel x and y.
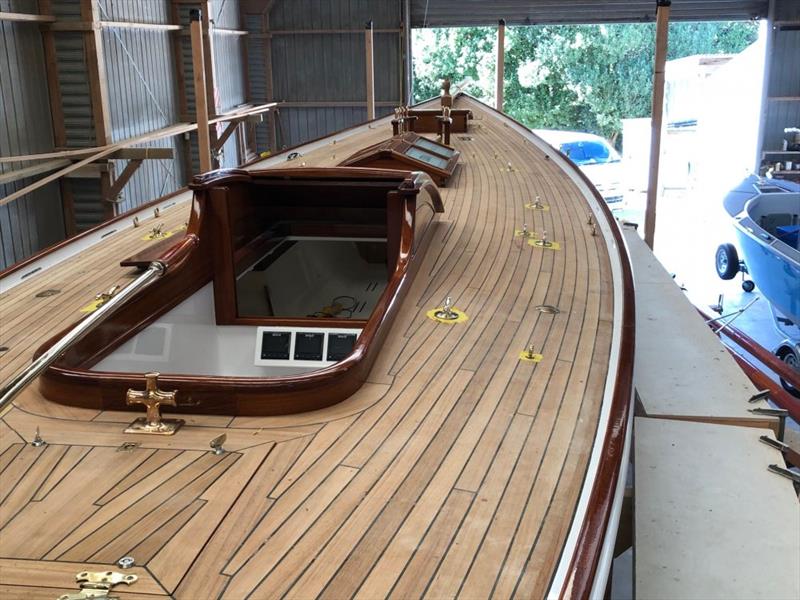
{"type": "Point", "coordinates": [584, 77]}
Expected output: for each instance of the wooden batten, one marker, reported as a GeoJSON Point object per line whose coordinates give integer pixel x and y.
{"type": "Point", "coordinates": [662, 40]}
{"type": "Point", "coordinates": [500, 68]}
{"type": "Point", "coordinates": [370, 75]}
{"type": "Point", "coordinates": [200, 96]}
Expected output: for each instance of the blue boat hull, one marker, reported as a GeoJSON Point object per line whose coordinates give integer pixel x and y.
{"type": "Point", "coordinates": [777, 277]}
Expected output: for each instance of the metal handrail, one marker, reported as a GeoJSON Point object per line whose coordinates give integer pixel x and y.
{"type": "Point", "coordinates": [10, 391]}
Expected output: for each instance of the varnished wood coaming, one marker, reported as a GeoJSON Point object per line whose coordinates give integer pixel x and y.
{"type": "Point", "coordinates": [427, 119]}
{"type": "Point", "coordinates": [392, 154]}
{"type": "Point", "coordinates": [454, 471]}
{"type": "Point", "coordinates": [207, 253]}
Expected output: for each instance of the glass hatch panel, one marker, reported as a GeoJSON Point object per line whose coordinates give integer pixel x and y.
{"type": "Point", "coordinates": [426, 157]}
{"type": "Point", "coordinates": [427, 144]}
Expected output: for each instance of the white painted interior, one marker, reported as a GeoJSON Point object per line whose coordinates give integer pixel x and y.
{"type": "Point", "coordinates": [311, 275]}
{"type": "Point", "coordinates": [187, 341]}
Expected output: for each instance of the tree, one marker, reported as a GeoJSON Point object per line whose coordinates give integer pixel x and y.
{"type": "Point", "coordinates": [585, 77]}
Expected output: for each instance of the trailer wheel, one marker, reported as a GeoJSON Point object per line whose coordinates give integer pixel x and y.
{"type": "Point", "coordinates": [727, 261]}
{"type": "Point", "coordinates": [789, 356]}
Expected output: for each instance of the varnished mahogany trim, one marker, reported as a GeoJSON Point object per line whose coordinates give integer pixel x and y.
{"type": "Point", "coordinates": [404, 184]}
{"type": "Point", "coordinates": [71, 382]}
{"type": "Point", "coordinates": [428, 122]}
{"type": "Point", "coordinates": [391, 154]}
{"type": "Point", "coordinates": [143, 258]}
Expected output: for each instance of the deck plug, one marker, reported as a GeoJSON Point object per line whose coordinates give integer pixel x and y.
{"type": "Point", "coordinates": [126, 562]}
{"type": "Point", "coordinates": [447, 313]}
{"type": "Point", "coordinates": [37, 439]}
{"type": "Point", "coordinates": [528, 355]}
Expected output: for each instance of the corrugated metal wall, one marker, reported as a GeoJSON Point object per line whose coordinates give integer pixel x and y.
{"type": "Point", "coordinates": [36, 220]}
{"type": "Point", "coordinates": [321, 76]}
{"type": "Point", "coordinates": [142, 93]}
{"type": "Point", "coordinates": [452, 13]}
{"type": "Point", "coordinates": [782, 104]}
{"type": "Point", "coordinates": [257, 74]}
{"type": "Point", "coordinates": [229, 71]}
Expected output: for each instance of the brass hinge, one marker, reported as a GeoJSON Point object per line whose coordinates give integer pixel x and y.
{"type": "Point", "coordinates": [97, 585]}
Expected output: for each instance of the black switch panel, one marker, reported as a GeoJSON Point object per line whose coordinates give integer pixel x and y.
{"type": "Point", "coordinates": [340, 345]}
{"type": "Point", "coordinates": [275, 345]}
{"type": "Point", "coordinates": [308, 346]}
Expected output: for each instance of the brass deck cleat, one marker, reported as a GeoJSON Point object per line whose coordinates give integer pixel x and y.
{"type": "Point", "coordinates": [153, 398]}
{"type": "Point", "coordinates": [98, 584]}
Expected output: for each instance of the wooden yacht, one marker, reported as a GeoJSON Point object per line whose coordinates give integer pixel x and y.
{"type": "Point", "coordinates": [393, 362]}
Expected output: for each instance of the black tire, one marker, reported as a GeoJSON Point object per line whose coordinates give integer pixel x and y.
{"type": "Point", "coordinates": [791, 358]}
{"type": "Point", "coordinates": [727, 261]}
{"type": "Point", "coordinates": [748, 285]}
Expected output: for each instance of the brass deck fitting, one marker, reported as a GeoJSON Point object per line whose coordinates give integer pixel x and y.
{"type": "Point", "coordinates": [152, 398]}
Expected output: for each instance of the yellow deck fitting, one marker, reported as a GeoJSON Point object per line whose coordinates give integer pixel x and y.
{"type": "Point", "coordinates": [99, 300]}
{"type": "Point", "coordinates": [524, 232]}
{"type": "Point", "coordinates": [541, 206]}
{"type": "Point", "coordinates": [526, 356]}
{"type": "Point", "coordinates": [544, 245]}
{"type": "Point", "coordinates": [447, 313]}
{"type": "Point", "coordinates": [537, 204]}
{"type": "Point", "coordinates": [162, 235]}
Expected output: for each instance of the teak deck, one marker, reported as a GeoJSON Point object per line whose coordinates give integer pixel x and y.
{"type": "Point", "coordinates": [455, 471]}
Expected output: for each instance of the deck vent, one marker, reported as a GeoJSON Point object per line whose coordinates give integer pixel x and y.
{"type": "Point", "coordinates": [548, 309]}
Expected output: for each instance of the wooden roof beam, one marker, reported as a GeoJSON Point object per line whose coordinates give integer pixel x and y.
{"type": "Point", "coordinates": [26, 18]}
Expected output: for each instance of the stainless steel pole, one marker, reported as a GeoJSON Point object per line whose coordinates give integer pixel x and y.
{"type": "Point", "coordinates": [77, 333]}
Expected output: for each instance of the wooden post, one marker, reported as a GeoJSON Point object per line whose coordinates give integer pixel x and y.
{"type": "Point", "coordinates": [501, 59]}
{"type": "Point", "coordinates": [98, 91]}
{"type": "Point", "coordinates": [200, 98]}
{"type": "Point", "coordinates": [662, 38]}
{"type": "Point", "coordinates": [370, 72]}
{"type": "Point", "coordinates": [209, 64]}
